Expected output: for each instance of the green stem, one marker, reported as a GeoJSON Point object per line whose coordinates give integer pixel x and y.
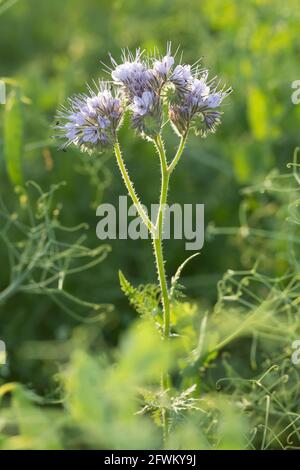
{"type": "Point", "coordinates": [130, 189]}
{"type": "Point", "coordinates": [157, 236]}
{"type": "Point", "coordinates": [178, 154]}
{"type": "Point", "coordinates": [158, 250]}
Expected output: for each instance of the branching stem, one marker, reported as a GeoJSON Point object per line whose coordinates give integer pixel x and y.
{"type": "Point", "coordinates": [156, 232]}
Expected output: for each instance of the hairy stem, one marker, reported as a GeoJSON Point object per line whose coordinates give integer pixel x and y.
{"type": "Point", "coordinates": [157, 236]}
{"type": "Point", "coordinates": [158, 252]}
{"type": "Point", "coordinates": [178, 154]}
{"type": "Point", "coordinates": [157, 242]}
{"type": "Point", "coordinates": [131, 190]}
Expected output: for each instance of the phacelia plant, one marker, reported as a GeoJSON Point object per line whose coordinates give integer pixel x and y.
{"type": "Point", "coordinates": [154, 91]}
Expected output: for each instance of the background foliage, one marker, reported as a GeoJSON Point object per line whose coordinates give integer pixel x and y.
{"type": "Point", "coordinates": [64, 317]}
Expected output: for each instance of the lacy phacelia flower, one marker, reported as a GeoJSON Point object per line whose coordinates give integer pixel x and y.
{"type": "Point", "coordinates": [91, 121]}
{"type": "Point", "coordinates": [147, 114]}
{"type": "Point", "coordinates": [199, 92]}
{"type": "Point", "coordinates": [144, 104]}
{"type": "Point", "coordinates": [141, 85]}
{"type": "Point", "coordinates": [146, 86]}
{"type": "Point", "coordinates": [133, 75]}
{"type": "Point", "coordinates": [148, 83]}
{"type": "Point", "coordinates": [163, 67]}
{"type": "Point", "coordinates": [195, 106]}
{"type": "Point", "coordinates": [181, 78]}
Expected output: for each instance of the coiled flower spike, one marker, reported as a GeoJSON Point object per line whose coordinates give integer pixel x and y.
{"type": "Point", "coordinates": [91, 120]}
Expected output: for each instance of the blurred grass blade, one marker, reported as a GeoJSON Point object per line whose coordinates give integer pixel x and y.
{"type": "Point", "coordinates": [13, 137]}
{"type": "Point", "coordinates": [258, 113]}
{"type": "Point", "coordinates": [6, 5]}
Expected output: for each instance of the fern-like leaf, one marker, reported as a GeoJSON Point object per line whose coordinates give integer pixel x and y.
{"type": "Point", "coordinates": [145, 298]}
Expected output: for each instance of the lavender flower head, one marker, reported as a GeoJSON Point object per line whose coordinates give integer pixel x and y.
{"type": "Point", "coordinates": [151, 84]}
{"type": "Point", "coordinates": [91, 121]}
{"type": "Point", "coordinates": [162, 66]}
{"type": "Point", "coordinates": [196, 102]}
{"type": "Point", "coordinates": [140, 85]}
{"type": "Point", "coordinates": [150, 89]}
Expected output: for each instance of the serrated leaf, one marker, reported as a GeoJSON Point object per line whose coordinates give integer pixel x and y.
{"type": "Point", "coordinates": [126, 287]}
{"type": "Point", "coordinates": [144, 299]}
{"type": "Point", "coordinates": [176, 288]}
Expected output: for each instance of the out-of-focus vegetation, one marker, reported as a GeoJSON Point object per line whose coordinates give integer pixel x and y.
{"type": "Point", "coordinates": [83, 368]}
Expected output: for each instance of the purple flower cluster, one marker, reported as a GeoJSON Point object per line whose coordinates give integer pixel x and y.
{"type": "Point", "coordinates": [91, 121]}
{"type": "Point", "coordinates": [149, 83]}
{"type": "Point", "coordinates": [141, 86]}
{"type": "Point", "coordinates": [196, 101]}
{"type": "Point", "coordinates": [144, 86]}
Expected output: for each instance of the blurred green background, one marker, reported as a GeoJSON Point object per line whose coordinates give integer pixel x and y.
{"type": "Point", "coordinates": [50, 50]}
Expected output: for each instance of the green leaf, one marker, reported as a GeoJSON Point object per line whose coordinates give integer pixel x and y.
{"type": "Point", "coordinates": [175, 286]}
{"type": "Point", "coordinates": [13, 137]}
{"type": "Point", "coordinates": [38, 428]}
{"type": "Point", "coordinates": [126, 287]}
{"type": "Point", "coordinates": [144, 299]}
{"type": "Point", "coordinates": [34, 426]}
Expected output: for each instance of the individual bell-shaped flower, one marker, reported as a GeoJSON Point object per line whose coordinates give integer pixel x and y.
{"type": "Point", "coordinates": [147, 114]}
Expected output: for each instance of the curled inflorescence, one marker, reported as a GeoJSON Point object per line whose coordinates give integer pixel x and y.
{"type": "Point", "coordinates": [91, 120]}
{"type": "Point", "coordinates": [147, 87]}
